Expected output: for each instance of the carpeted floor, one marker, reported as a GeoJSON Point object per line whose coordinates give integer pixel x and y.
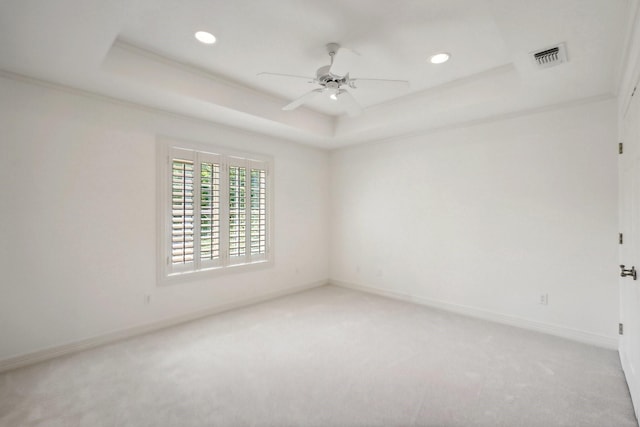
{"type": "Point", "coordinates": [326, 357]}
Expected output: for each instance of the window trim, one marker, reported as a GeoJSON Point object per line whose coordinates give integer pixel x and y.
{"type": "Point", "coordinates": [167, 275]}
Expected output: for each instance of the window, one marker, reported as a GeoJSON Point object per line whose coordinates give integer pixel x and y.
{"type": "Point", "coordinates": [214, 212]}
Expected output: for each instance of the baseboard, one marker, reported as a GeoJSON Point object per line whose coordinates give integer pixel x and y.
{"type": "Point", "coordinates": [108, 338]}
{"type": "Point", "coordinates": [559, 331]}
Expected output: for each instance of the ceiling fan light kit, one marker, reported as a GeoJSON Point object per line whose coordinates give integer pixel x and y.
{"type": "Point", "coordinates": [333, 80]}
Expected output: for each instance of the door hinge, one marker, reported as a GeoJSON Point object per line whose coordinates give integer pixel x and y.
{"type": "Point", "coordinates": [620, 147]}
{"type": "Point", "coordinates": [620, 238]}
{"type": "Point", "coordinates": [620, 329]}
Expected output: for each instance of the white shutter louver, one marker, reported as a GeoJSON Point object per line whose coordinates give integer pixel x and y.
{"type": "Point", "coordinates": [237, 211]}
{"type": "Point", "coordinates": [209, 211]}
{"type": "Point", "coordinates": [258, 212]}
{"type": "Point", "coordinates": [182, 212]}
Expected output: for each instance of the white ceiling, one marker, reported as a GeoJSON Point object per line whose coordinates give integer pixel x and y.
{"type": "Point", "coordinates": [144, 51]}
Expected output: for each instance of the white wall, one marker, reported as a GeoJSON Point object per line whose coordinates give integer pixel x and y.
{"type": "Point", "coordinates": [486, 218]}
{"type": "Point", "coordinates": [78, 225]}
{"type": "Point", "coordinates": [483, 218]}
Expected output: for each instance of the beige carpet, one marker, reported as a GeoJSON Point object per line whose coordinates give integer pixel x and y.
{"type": "Point", "coordinates": [326, 357]}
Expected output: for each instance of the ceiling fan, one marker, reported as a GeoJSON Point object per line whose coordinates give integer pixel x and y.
{"type": "Point", "coordinates": [334, 79]}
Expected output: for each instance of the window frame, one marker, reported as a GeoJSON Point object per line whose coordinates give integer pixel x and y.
{"type": "Point", "coordinates": [168, 149]}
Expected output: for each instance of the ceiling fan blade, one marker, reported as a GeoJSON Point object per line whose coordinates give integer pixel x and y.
{"type": "Point", "coordinates": [400, 84]}
{"type": "Point", "coordinates": [265, 74]}
{"type": "Point", "coordinates": [342, 61]}
{"type": "Point", "coordinates": [304, 98]}
{"type": "Point", "coordinates": [350, 103]}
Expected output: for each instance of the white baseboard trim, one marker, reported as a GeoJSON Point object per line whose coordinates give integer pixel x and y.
{"type": "Point", "coordinates": [108, 338]}
{"type": "Point", "coordinates": [559, 331]}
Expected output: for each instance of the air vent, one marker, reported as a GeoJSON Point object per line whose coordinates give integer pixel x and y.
{"type": "Point", "coordinates": [550, 57]}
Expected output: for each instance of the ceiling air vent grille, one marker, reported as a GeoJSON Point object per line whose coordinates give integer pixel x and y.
{"type": "Point", "coordinates": [550, 57]}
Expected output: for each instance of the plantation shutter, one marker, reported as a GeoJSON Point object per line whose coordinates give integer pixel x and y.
{"type": "Point", "coordinates": [209, 212]}
{"type": "Point", "coordinates": [182, 238]}
{"type": "Point", "coordinates": [219, 211]}
{"type": "Point", "coordinates": [238, 205]}
{"type": "Point", "coordinates": [258, 210]}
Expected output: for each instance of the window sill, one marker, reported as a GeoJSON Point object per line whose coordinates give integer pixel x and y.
{"type": "Point", "coordinates": [213, 272]}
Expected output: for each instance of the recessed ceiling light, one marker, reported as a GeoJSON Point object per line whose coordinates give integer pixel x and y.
{"type": "Point", "coordinates": [205, 37]}
{"type": "Point", "coordinates": [439, 58]}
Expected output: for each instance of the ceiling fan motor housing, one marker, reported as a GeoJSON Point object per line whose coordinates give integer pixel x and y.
{"type": "Point", "coordinates": [324, 77]}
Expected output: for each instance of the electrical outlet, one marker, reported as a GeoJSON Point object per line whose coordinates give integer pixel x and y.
{"type": "Point", "coordinates": [544, 299]}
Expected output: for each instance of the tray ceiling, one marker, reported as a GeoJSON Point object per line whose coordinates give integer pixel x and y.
{"type": "Point", "coordinates": [145, 52]}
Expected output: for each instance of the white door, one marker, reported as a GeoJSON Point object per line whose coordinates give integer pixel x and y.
{"type": "Point", "coordinates": [629, 208]}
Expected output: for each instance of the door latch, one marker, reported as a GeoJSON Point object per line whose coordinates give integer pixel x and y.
{"type": "Point", "coordinates": [628, 272]}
